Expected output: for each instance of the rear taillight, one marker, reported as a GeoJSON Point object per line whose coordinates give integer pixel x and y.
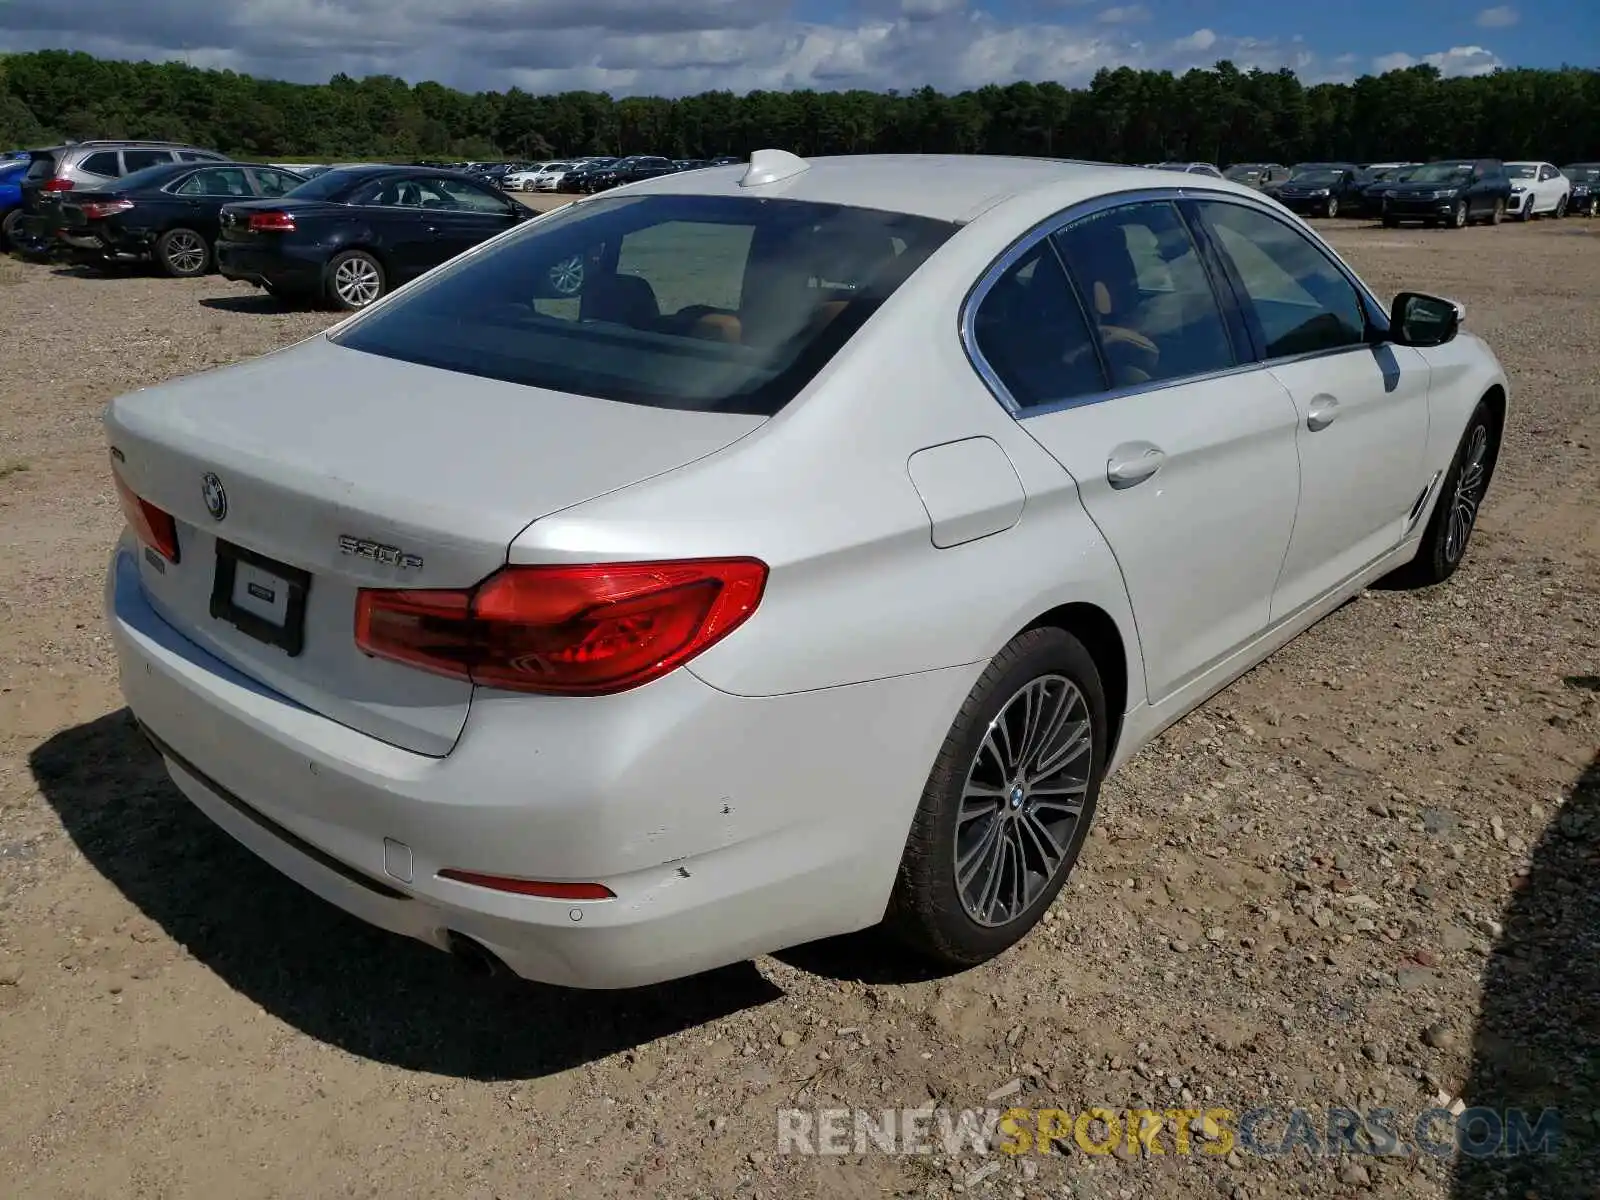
{"type": "Point", "coordinates": [57, 185]}
{"type": "Point", "coordinates": [151, 525]}
{"type": "Point", "coordinates": [271, 222]}
{"type": "Point", "coordinates": [583, 630]}
{"type": "Point", "coordinates": [97, 210]}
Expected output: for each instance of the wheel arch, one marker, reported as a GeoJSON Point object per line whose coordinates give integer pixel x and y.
{"type": "Point", "coordinates": [1101, 637]}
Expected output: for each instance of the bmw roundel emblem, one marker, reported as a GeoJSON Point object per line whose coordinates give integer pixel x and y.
{"type": "Point", "coordinates": [216, 498]}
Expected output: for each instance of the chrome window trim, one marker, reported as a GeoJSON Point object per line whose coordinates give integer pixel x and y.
{"type": "Point", "coordinates": [1112, 200]}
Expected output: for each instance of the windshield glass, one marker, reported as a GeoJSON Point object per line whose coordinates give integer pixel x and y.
{"type": "Point", "coordinates": [1583, 172]}
{"type": "Point", "coordinates": [1243, 172]}
{"type": "Point", "coordinates": [1442, 172]}
{"type": "Point", "coordinates": [705, 303]}
{"type": "Point", "coordinates": [1521, 171]}
{"type": "Point", "coordinates": [1321, 175]}
{"type": "Point", "coordinates": [1299, 169]}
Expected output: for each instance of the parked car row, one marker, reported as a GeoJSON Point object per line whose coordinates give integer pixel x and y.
{"type": "Point", "coordinates": [1447, 192]}
{"type": "Point", "coordinates": [339, 235]}
{"type": "Point", "coordinates": [590, 174]}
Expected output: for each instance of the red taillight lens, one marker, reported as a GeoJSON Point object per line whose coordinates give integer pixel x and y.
{"type": "Point", "coordinates": [97, 210]}
{"type": "Point", "coordinates": [585, 631]}
{"type": "Point", "coordinates": [151, 525]}
{"type": "Point", "coordinates": [271, 222]}
{"type": "Point", "coordinates": [531, 887]}
{"type": "Point", "coordinates": [57, 185]}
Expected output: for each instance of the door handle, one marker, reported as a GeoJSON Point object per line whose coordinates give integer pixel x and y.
{"type": "Point", "coordinates": [1322, 412]}
{"type": "Point", "coordinates": [1133, 462]}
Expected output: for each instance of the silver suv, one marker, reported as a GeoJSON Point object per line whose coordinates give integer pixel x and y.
{"type": "Point", "coordinates": [80, 165]}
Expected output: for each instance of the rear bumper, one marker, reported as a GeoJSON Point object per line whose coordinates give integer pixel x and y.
{"type": "Point", "coordinates": [725, 826]}
{"type": "Point", "coordinates": [277, 268]}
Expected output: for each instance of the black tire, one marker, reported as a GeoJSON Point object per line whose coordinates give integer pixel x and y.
{"type": "Point", "coordinates": [1444, 548]}
{"type": "Point", "coordinates": [1526, 214]}
{"type": "Point", "coordinates": [1498, 212]}
{"type": "Point", "coordinates": [8, 227]}
{"type": "Point", "coordinates": [1561, 208]}
{"type": "Point", "coordinates": [927, 910]}
{"type": "Point", "coordinates": [1332, 209]}
{"type": "Point", "coordinates": [183, 253]}
{"type": "Point", "coordinates": [340, 280]}
{"type": "Point", "coordinates": [1458, 216]}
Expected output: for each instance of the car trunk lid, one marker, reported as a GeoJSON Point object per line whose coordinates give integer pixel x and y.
{"type": "Point", "coordinates": [363, 471]}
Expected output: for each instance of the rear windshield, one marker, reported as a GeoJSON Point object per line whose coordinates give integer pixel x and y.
{"type": "Point", "coordinates": [41, 166]}
{"type": "Point", "coordinates": [326, 184]}
{"type": "Point", "coordinates": [704, 303]}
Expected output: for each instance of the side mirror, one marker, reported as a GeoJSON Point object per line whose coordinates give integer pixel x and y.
{"type": "Point", "coordinates": [1416, 319]}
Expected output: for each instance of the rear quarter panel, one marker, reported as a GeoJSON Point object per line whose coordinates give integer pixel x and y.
{"type": "Point", "coordinates": [822, 493]}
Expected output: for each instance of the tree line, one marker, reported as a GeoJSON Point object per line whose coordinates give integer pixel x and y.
{"type": "Point", "coordinates": [1220, 115]}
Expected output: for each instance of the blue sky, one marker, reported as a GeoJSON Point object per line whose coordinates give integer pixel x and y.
{"type": "Point", "coordinates": [673, 47]}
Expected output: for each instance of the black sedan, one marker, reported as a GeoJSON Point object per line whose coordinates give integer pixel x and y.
{"type": "Point", "coordinates": [1451, 192]}
{"type": "Point", "coordinates": [1585, 196]}
{"type": "Point", "coordinates": [1323, 189]}
{"type": "Point", "coordinates": [627, 170]}
{"type": "Point", "coordinates": [167, 213]}
{"type": "Point", "coordinates": [349, 236]}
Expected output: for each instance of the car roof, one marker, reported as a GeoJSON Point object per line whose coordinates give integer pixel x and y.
{"type": "Point", "coordinates": [945, 187]}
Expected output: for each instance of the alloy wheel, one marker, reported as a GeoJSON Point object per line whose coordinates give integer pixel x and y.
{"type": "Point", "coordinates": [1333, 206]}
{"type": "Point", "coordinates": [1022, 799]}
{"type": "Point", "coordinates": [1468, 494]}
{"type": "Point", "coordinates": [566, 277]}
{"type": "Point", "coordinates": [1459, 216]}
{"type": "Point", "coordinates": [357, 282]}
{"type": "Point", "coordinates": [186, 253]}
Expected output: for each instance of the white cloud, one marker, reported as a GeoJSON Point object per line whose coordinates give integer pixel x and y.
{"type": "Point", "coordinates": [1458, 60]}
{"type": "Point", "coordinates": [1398, 61]}
{"type": "Point", "coordinates": [660, 47]}
{"type": "Point", "coordinates": [1200, 39]}
{"type": "Point", "coordinates": [1500, 17]}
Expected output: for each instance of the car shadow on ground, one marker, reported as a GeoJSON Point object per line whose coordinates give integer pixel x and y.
{"type": "Point", "coordinates": [334, 978]}
{"type": "Point", "coordinates": [1537, 1042]}
{"type": "Point", "coordinates": [256, 303]}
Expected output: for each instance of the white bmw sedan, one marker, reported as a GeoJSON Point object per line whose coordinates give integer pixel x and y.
{"type": "Point", "coordinates": [766, 552]}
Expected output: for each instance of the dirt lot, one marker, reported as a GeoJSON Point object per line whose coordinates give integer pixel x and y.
{"type": "Point", "coordinates": [1364, 875]}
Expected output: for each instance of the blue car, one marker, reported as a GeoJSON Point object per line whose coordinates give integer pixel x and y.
{"type": "Point", "coordinates": [12, 168]}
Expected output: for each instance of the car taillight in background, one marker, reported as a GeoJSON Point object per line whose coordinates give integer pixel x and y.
{"type": "Point", "coordinates": [151, 525]}
{"type": "Point", "coordinates": [271, 222]}
{"type": "Point", "coordinates": [97, 210]}
{"type": "Point", "coordinates": [564, 630]}
{"type": "Point", "coordinates": [57, 184]}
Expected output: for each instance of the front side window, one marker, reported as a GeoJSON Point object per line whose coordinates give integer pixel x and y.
{"type": "Point", "coordinates": [1031, 331]}
{"type": "Point", "coordinates": [1142, 280]}
{"type": "Point", "coordinates": [465, 198]}
{"type": "Point", "coordinates": [216, 181]}
{"type": "Point", "coordinates": [713, 304]}
{"type": "Point", "coordinates": [137, 160]}
{"type": "Point", "coordinates": [1297, 301]}
{"type": "Point", "coordinates": [276, 183]}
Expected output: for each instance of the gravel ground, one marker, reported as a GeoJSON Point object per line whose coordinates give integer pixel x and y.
{"type": "Point", "coordinates": [1364, 875]}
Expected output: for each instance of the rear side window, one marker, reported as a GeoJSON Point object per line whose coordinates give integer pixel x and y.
{"type": "Point", "coordinates": [1142, 280]}
{"type": "Point", "coordinates": [104, 163]}
{"type": "Point", "coordinates": [463, 197]}
{"type": "Point", "coordinates": [1031, 331]}
{"type": "Point", "coordinates": [714, 304]}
